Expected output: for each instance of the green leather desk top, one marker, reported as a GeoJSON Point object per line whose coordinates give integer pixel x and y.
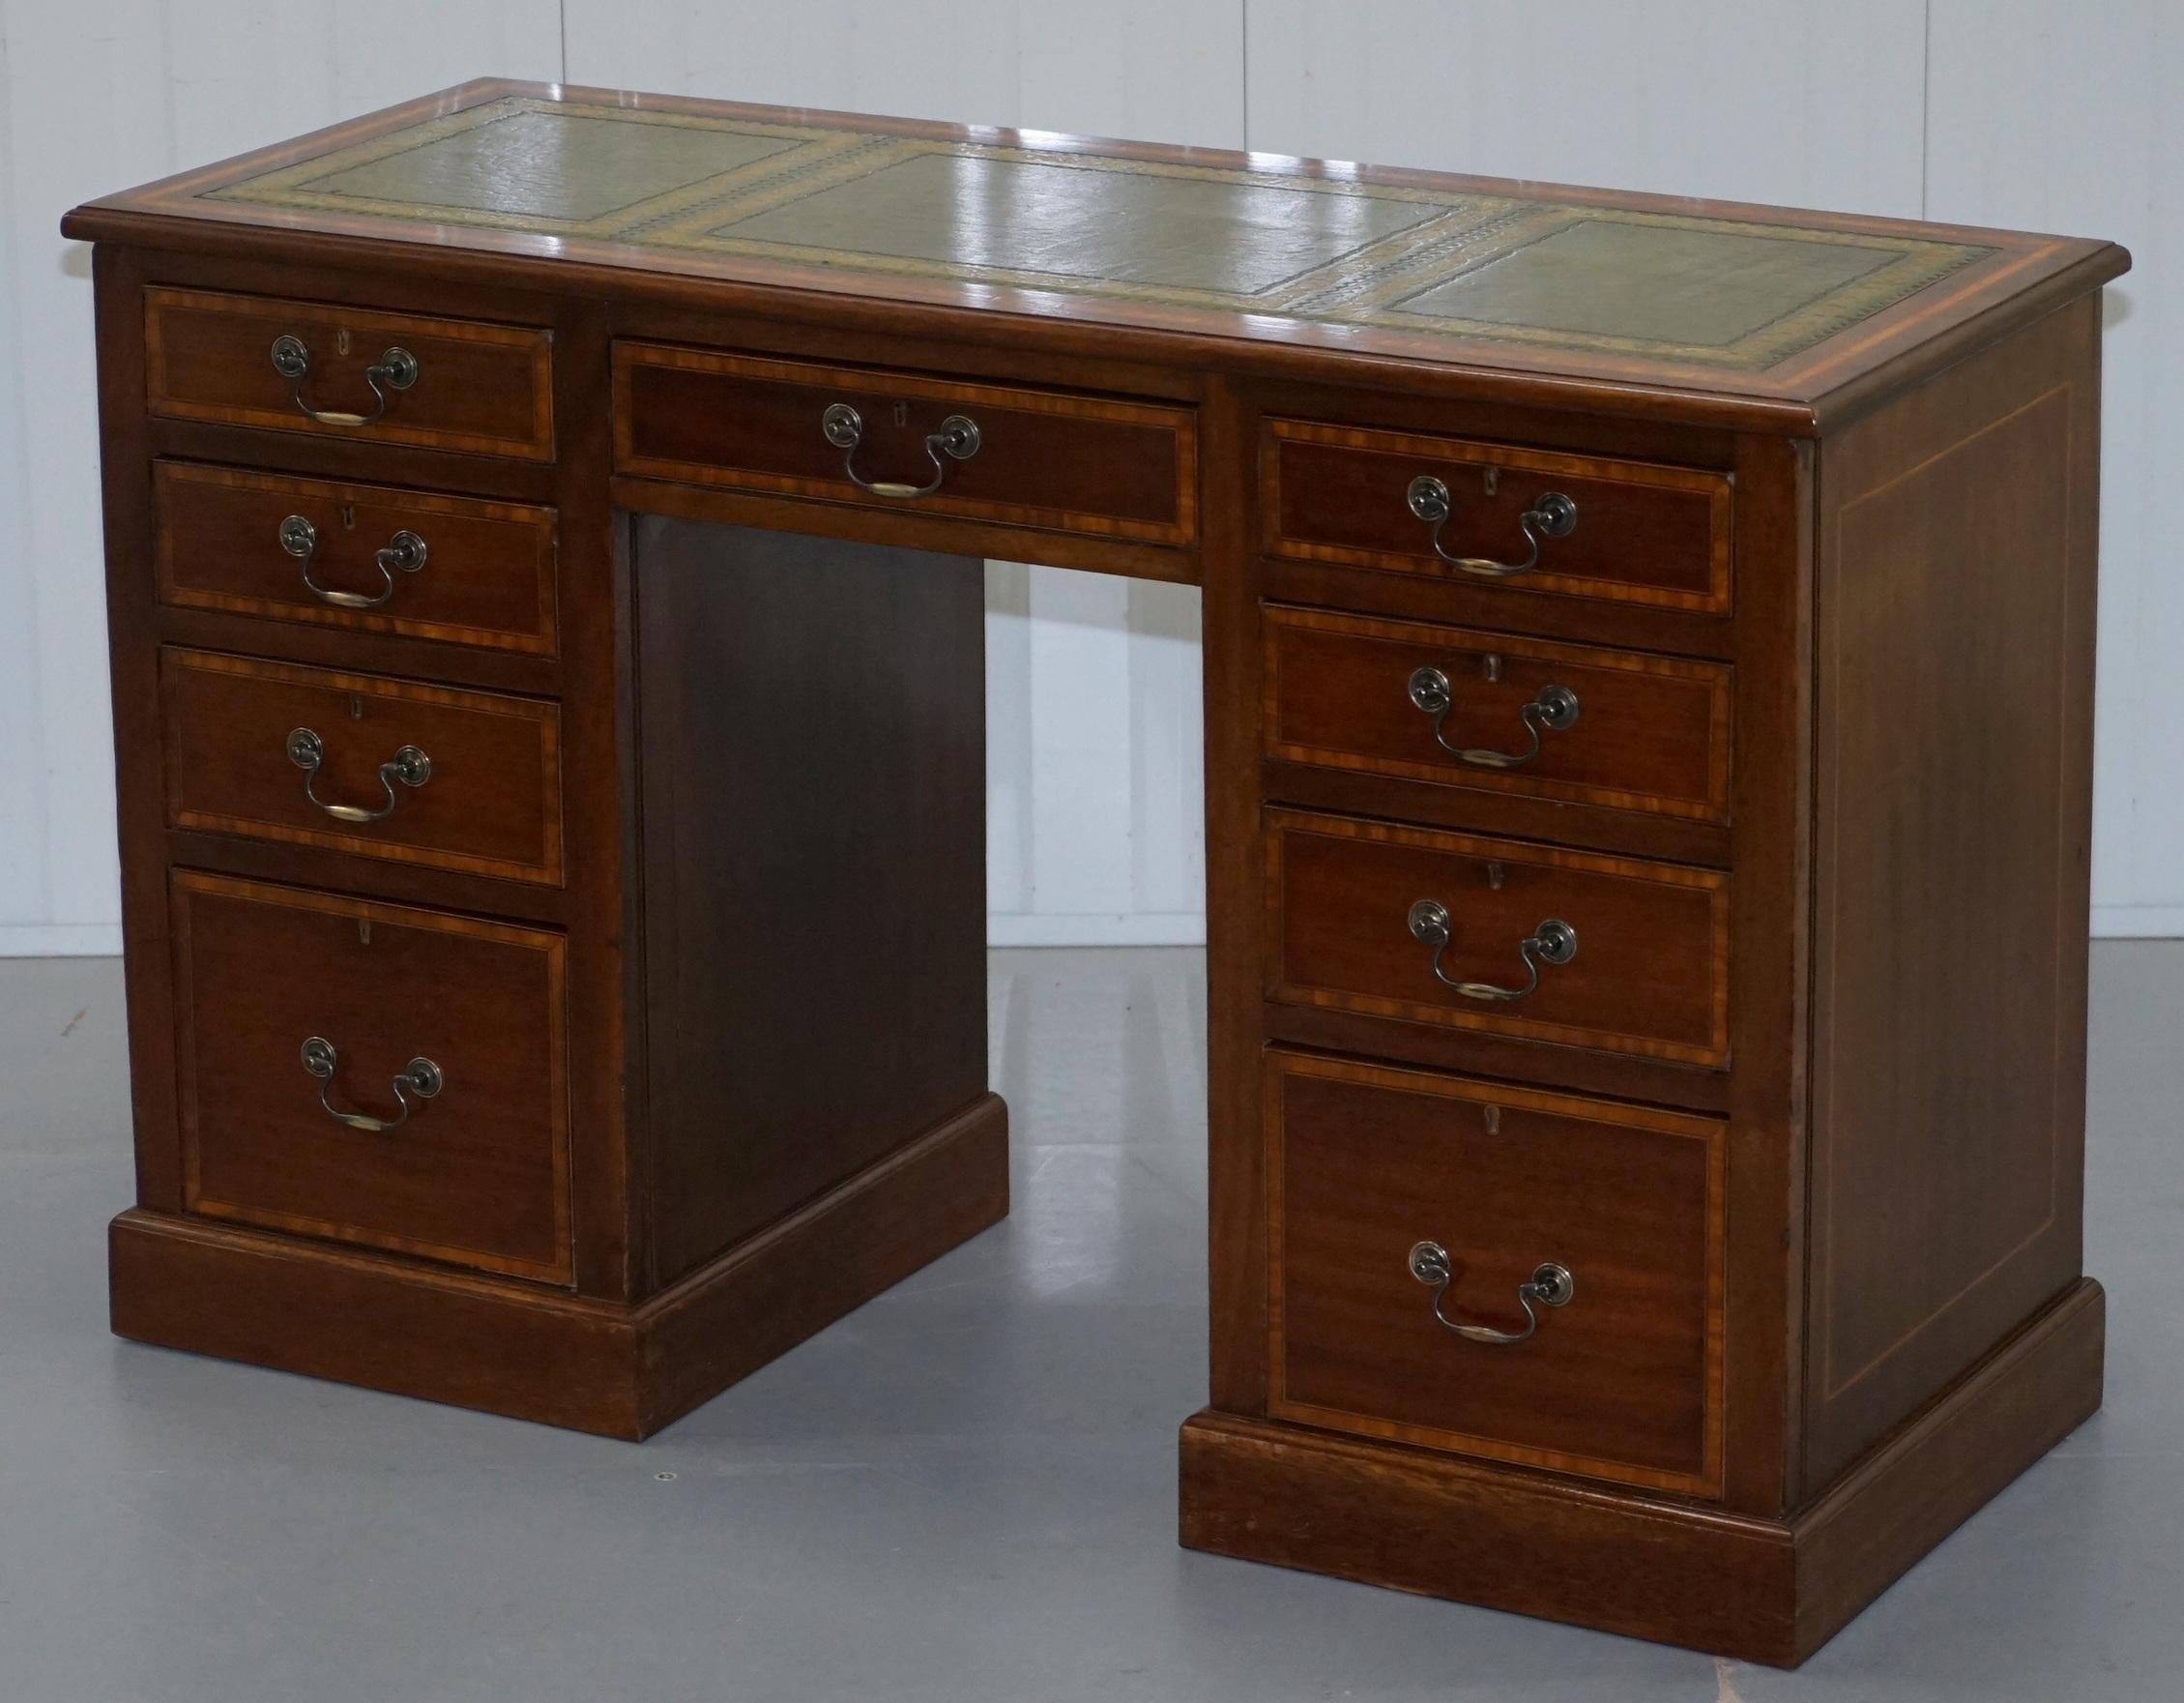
{"type": "Point", "coordinates": [1431, 267]}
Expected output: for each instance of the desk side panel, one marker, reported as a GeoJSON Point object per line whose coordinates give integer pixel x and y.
{"type": "Point", "coordinates": [1954, 756]}
{"type": "Point", "coordinates": [139, 768]}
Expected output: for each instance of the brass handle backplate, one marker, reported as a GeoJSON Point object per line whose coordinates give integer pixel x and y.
{"type": "Point", "coordinates": [403, 553]}
{"type": "Point", "coordinates": [1549, 1285]}
{"type": "Point", "coordinates": [419, 1080]}
{"type": "Point", "coordinates": [1553, 942]}
{"type": "Point", "coordinates": [958, 438]}
{"type": "Point", "coordinates": [1553, 516]}
{"type": "Point", "coordinates": [409, 765]}
{"type": "Point", "coordinates": [394, 371]}
{"type": "Point", "coordinates": [1554, 709]}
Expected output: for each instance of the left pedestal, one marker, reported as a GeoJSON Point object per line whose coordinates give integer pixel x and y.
{"type": "Point", "coordinates": [555, 936]}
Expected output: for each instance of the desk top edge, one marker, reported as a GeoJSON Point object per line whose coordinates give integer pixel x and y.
{"type": "Point", "coordinates": [1982, 281]}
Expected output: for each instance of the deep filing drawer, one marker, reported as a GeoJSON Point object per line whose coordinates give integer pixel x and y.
{"type": "Point", "coordinates": [1499, 935]}
{"type": "Point", "coordinates": [1477, 709]}
{"type": "Point", "coordinates": [373, 1074]}
{"type": "Point", "coordinates": [428, 774]}
{"type": "Point", "coordinates": [1052, 459]}
{"type": "Point", "coordinates": [1496, 514]}
{"type": "Point", "coordinates": [315, 366]}
{"type": "Point", "coordinates": [1589, 1232]}
{"type": "Point", "coordinates": [361, 556]}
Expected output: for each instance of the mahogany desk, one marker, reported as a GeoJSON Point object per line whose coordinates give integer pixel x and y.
{"type": "Point", "coordinates": [1649, 653]}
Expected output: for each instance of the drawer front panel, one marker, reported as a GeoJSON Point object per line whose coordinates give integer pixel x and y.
{"type": "Point", "coordinates": [306, 549]}
{"type": "Point", "coordinates": [1044, 458]}
{"type": "Point", "coordinates": [1622, 1380]}
{"type": "Point", "coordinates": [478, 1171]}
{"type": "Point", "coordinates": [1640, 532]}
{"type": "Point", "coordinates": [1648, 972]}
{"type": "Point", "coordinates": [487, 801]}
{"type": "Point", "coordinates": [478, 387]}
{"type": "Point", "coordinates": [1448, 704]}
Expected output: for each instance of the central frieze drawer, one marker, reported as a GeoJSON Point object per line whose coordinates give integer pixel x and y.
{"type": "Point", "coordinates": [1464, 708]}
{"type": "Point", "coordinates": [373, 1074]}
{"type": "Point", "coordinates": [317, 367]}
{"type": "Point", "coordinates": [467, 780]}
{"type": "Point", "coordinates": [1496, 1271]}
{"type": "Point", "coordinates": [1496, 515]}
{"type": "Point", "coordinates": [1499, 935]}
{"type": "Point", "coordinates": [1053, 459]}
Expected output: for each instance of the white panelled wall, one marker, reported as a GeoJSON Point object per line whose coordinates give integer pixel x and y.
{"type": "Point", "coordinates": [96, 95]}
{"type": "Point", "coordinates": [2049, 114]}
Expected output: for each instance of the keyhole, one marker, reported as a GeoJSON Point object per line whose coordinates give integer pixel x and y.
{"type": "Point", "coordinates": [364, 930]}
{"type": "Point", "coordinates": [1493, 480]}
{"type": "Point", "coordinates": [341, 342]}
{"type": "Point", "coordinates": [1496, 874]}
{"type": "Point", "coordinates": [356, 708]}
{"type": "Point", "coordinates": [348, 517]}
{"type": "Point", "coordinates": [1491, 667]}
{"type": "Point", "coordinates": [1492, 1120]}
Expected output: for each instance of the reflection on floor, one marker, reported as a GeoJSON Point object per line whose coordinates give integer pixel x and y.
{"type": "Point", "coordinates": [965, 1491]}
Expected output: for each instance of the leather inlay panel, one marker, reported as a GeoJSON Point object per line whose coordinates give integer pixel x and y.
{"type": "Point", "coordinates": [1119, 225]}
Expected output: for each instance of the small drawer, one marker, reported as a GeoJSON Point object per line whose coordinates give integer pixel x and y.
{"type": "Point", "coordinates": [429, 775]}
{"type": "Point", "coordinates": [1532, 520]}
{"type": "Point", "coordinates": [359, 556]}
{"type": "Point", "coordinates": [1478, 708]}
{"type": "Point", "coordinates": [373, 1074]}
{"type": "Point", "coordinates": [1020, 458]}
{"type": "Point", "coordinates": [316, 366]}
{"type": "Point", "coordinates": [1499, 935]}
{"type": "Point", "coordinates": [1420, 1222]}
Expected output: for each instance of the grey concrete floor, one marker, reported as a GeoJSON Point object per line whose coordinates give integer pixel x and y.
{"type": "Point", "coordinates": [964, 1491]}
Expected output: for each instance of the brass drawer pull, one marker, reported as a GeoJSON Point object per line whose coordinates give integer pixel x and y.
{"type": "Point", "coordinates": [420, 1078]}
{"type": "Point", "coordinates": [844, 429]}
{"type": "Point", "coordinates": [403, 553]}
{"type": "Point", "coordinates": [1553, 516]}
{"type": "Point", "coordinates": [1549, 1286]}
{"type": "Point", "coordinates": [394, 371]}
{"type": "Point", "coordinates": [1553, 942]}
{"type": "Point", "coordinates": [1553, 710]}
{"type": "Point", "coordinates": [409, 765]}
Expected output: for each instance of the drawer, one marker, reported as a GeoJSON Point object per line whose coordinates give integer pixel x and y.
{"type": "Point", "coordinates": [466, 1161]}
{"type": "Point", "coordinates": [359, 556]}
{"type": "Point", "coordinates": [1478, 708]}
{"type": "Point", "coordinates": [1042, 458]}
{"type": "Point", "coordinates": [484, 389]}
{"type": "Point", "coordinates": [1637, 532]}
{"type": "Point", "coordinates": [1618, 954]}
{"type": "Point", "coordinates": [1383, 1182]}
{"type": "Point", "coordinates": [428, 775]}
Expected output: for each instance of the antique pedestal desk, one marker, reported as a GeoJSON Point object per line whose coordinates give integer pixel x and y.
{"type": "Point", "coordinates": [1647, 659]}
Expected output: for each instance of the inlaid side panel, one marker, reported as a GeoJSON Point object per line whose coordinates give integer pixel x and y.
{"type": "Point", "coordinates": [1955, 649]}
